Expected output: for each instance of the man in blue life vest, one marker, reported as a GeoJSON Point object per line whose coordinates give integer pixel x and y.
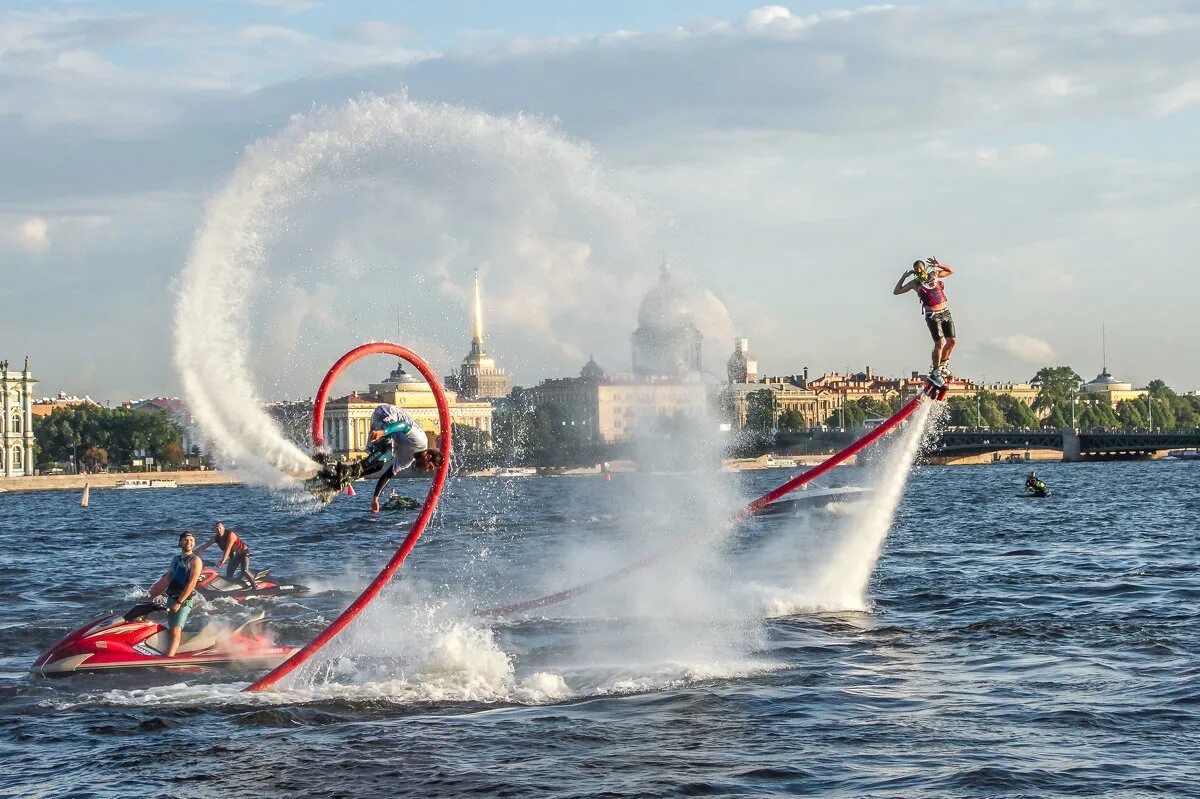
{"type": "Point", "coordinates": [397, 442]}
{"type": "Point", "coordinates": [179, 586]}
{"type": "Point", "coordinates": [927, 282]}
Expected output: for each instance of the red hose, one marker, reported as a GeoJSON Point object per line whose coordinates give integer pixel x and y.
{"type": "Point", "coordinates": [431, 499]}
{"type": "Point", "coordinates": [791, 485]}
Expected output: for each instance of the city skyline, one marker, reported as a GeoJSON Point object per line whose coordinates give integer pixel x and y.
{"type": "Point", "coordinates": [836, 158]}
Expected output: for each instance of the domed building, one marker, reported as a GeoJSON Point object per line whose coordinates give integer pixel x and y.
{"type": "Point", "coordinates": [667, 341]}
{"type": "Point", "coordinates": [1109, 389]}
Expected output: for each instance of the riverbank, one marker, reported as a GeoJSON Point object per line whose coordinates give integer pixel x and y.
{"type": "Point", "coordinates": [65, 482]}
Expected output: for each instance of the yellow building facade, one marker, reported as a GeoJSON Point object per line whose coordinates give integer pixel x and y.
{"type": "Point", "coordinates": [347, 423]}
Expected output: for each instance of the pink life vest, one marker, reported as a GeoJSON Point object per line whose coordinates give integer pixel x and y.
{"type": "Point", "coordinates": [932, 292]}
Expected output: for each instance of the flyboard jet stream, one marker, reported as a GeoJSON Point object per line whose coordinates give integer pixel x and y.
{"type": "Point", "coordinates": [118, 641]}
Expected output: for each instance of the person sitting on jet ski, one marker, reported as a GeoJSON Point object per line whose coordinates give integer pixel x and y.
{"type": "Point", "coordinates": [397, 442]}
{"type": "Point", "coordinates": [179, 586]}
{"type": "Point", "coordinates": [1034, 483]}
{"type": "Point", "coordinates": [234, 550]}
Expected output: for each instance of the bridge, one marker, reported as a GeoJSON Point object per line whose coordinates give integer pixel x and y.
{"type": "Point", "coordinates": [1075, 446]}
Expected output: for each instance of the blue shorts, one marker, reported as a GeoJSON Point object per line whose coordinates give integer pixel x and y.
{"type": "Point", "coordinates": [180, 617]}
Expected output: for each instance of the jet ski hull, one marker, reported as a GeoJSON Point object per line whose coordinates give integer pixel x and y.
{"type": "Point", "coordinates": [109, 643]}
{"type": "Point", "coordinates": [213, 585]}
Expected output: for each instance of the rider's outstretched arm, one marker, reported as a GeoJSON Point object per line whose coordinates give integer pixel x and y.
{"type": "Point", "coordinates": [900, 285]}
{"type": "Point", "coordinates": [944, 270]}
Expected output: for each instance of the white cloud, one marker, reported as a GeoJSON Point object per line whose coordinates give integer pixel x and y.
{"type": "Point", "coordinates": [289, 7]}
{"type": "Point", "coordinates": [1024, 348]}
{"type": "Point", "coordinates": [375, 33]}
{"type": "Point", "coordinates": [31, 235]}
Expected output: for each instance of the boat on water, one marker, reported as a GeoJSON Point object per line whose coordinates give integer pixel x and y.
{"type": "Point", "coordinates": [516, 471]}
{"type": "Point", "coordinates": [780, 463]}
{"type": "Point", "coordinates": [814, 498]}
{"type": "Point", "coordinates": [1185, 454]}
{"type": "Point", "coordinates": [138, 483]}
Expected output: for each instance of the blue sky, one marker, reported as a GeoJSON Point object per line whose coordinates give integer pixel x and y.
{"type": "Point", "coordinates": [792, 158]}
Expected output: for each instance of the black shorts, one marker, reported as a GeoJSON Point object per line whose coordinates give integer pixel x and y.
{"type": "Point", "coordinates": [941, 324]}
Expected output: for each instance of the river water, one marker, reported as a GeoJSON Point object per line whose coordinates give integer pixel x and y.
{"type": "Point", "coordinates": [1000, 646]}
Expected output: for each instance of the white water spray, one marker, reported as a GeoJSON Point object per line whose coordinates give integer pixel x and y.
{"type": "Point", "coordinates": [834, 570]}
{"type": "Point", "coordinates": [327, 227]}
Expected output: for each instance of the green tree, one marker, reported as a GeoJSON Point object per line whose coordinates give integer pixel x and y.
{"type": "Point", "coordinates": [760, 409]}
{"type": "Point", "coordinates": [1017, 413]}
{"type": "Point", "coordinates": [1159, 388]}
{"type": "Point", "coordinates": [791, 419]}
{"type": "Point", "coordinates": [1057, 419]}
{"type": "Point", "coordinates": [1056, 386]}
{"type": "Point", "coordinates": [1131, 414]}
{"type": "Point", "coordinates": [468, 440]}
{"type": "Point", "coordinates": [962, 412]}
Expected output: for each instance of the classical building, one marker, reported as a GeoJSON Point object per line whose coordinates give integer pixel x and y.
{"type": "Point", "coordinates": [16, 420]}
{"type": "Point", "coordinates": [610, 408]}
{"type": "Point", "coordinates": [479, 376]}
{"type": "Point", "coordinates": [348, 419]}
{"type": "Point", "coordinates": [787, 394]}
{"type": "Point", "coordinates": [1106, 388]}
{"type": "Point", "coordinates": [667, 341]}
{"type": "Point", "coordinates": [47, 405]}
{"type": "Point", "coordinates": [742, 367]}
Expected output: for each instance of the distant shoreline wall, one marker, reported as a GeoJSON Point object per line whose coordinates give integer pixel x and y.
{"type": "Point", "coordinates": [75, 482]}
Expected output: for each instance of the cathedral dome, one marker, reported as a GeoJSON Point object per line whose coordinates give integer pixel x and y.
{"type": "Point", "coordinates": [666, 306]}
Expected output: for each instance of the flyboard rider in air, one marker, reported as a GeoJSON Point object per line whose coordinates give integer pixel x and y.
{"type": "Point", "coordinates": [927, 282]}
{"type": "Point", "coordinates": [396, 442]}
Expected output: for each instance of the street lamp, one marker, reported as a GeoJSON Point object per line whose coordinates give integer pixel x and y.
{"type": "Point", "coordinates": [1074, 402]}
{"type": "Point", "coordinates": [1150, 409]}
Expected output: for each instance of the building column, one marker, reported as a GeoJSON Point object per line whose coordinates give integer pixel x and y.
{"type": "Point", "coordinates": [27, 428]}
{"type": "Point", "coordinates": [4, 423]}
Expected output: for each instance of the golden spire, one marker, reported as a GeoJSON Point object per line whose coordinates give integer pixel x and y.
{"type": "Point", "coordinates": [478, 337]}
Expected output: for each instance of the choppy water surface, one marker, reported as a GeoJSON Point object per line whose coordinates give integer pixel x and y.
{"type": "Point", "coordinates": [1005, 647]}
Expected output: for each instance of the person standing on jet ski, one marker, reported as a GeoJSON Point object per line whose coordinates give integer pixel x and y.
{"type": "Point", "coordinates": [927, 283]}
{"type": "Point", "coordinates": [1034, 483]}
{"type": "Point", "coordinates": [397, 442]}
{"type": "Point", "coordinates": [179, 586]}
{"type": "Point", "coordinates": [234, 551]}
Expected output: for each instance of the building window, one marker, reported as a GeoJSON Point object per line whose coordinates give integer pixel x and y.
{"type": "Point", "coordinates": [15, 425]}
{"type": "Point", "coordinates": [17, 458]}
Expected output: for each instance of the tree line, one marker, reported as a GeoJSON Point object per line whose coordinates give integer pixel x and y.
{"type": "Point", "coordinates": [93, 437]}
{"type": "Point", "coordinates": [1057, 396]}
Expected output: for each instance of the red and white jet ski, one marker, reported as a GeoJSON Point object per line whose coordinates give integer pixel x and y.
{"type": "Point", "coordinates": [112, 643]}
{"type": "Point", "coordinates": [212, 584]}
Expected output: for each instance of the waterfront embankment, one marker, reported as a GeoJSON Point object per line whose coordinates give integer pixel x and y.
{"type": "Point", "coordinates": [63, 482]}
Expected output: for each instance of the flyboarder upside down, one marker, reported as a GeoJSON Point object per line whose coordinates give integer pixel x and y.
{"type": "Point", "coordinates": [927, 283]}
{"type": "Point", "coordinates": [396, 442]}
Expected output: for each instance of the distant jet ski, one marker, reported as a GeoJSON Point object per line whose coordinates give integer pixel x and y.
{"type": "Point", "coordinates": [815, 498]}
{"type": "Point", "coordinates": [212, 585]}
{"type": "Point", "coordinates": [113, 643]}
{"type": "Point", "coordinates": [397, 502]}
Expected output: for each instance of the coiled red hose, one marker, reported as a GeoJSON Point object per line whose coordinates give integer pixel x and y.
{"type": "Point", "coordinates": [431, 499]}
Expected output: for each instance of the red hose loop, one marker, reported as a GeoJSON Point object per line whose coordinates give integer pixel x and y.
{"type": "Point", "coordinates": [431, 499]}
{"type": "Point", "coordinates": [791, 485]}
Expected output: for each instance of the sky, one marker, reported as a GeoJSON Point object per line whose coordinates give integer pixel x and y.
{"type": "Point", "coordinates": [794, 159]}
